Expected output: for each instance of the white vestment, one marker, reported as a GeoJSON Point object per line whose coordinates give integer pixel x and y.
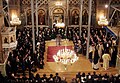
{"type": "Point", "coordinates": [100, 48]}
{"type": "Point", "coordinates": [106, 58]}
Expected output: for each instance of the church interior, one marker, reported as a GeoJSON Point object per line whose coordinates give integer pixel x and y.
{"type": "Point", "coordinates": [60, 41]}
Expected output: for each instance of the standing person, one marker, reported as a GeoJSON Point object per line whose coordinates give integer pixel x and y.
{"type": "Point", "coordinates": [44, 79]}
{"type": "Point", "coordinates": [73, 80]}
{"type": "Point", "coordinates": [91, 51]}
{"type": "Point", "coordinates": [83, 78]}
{"type": "Point", "coordinates": [63, 80]}
{"type": "Point", "coordinates": [106, 58]}
{"type": "Point", "coordinates": [100, 49]}
{"type": "Point", "coordinates": [114, 56]}
{"type": "Point", "coordinates": [57, 78]}
{"type": "Point", "coordinates": [50, 79]}
{"type": "Point", "coordinates": [96, 60]}
{"type": "Point", "coordinates": [8, 69]}
{"type": "Point", "coordinates": [37, 78]}
{"type": "Point", "coordinates": [58, 40]}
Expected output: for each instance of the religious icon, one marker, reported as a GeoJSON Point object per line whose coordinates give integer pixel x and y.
{"type": "Point", "coordinates": [29, 17]}
{"type": "Point", "coordinates": [41, 17]}
{"type": "Point", "coordinates": [85, 17]}
{"type": "Point", "coordinates": [75, 17]}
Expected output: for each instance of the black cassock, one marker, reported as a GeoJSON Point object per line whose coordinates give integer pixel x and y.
{"type": "Point", "coordinates": [96, 60]}
{"type": "Point", "coordinates": [96, 57]}
{"type": "Point", "coordinates": [114, 56]}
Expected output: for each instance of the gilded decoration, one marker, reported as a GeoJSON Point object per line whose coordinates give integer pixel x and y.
{"type": "Point", "coordinates": [58, 15]}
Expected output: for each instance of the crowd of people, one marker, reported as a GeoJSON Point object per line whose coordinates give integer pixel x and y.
{"type": "Point", "coordinates": [33, 79]}
{"type": "Point", "coordinates": [101, 42]}
{"type": "Point", "coordinates": [96, 78]}
{"type": "Point", "coordinates": [80, 77]}
{"type": "Point", "coordinates": [23, 58]}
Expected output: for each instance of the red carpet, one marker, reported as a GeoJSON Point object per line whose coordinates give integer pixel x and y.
{"type": "Point", "coordinates": [52, 50]}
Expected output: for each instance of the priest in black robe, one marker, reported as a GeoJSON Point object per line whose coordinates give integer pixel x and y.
{"type": "Point", "coordinates": [96, 60]}
{"type": "Point", "coordinates": [114, 56]}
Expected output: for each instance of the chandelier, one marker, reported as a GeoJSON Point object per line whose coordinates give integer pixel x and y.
{"type": "Point", "coordinates": [103, 21]}
{"type": "Point", "coordinates": [65, 56]}
{"type": "Point", "coordinates": [15, 20]}
{"type": "Point", "coordinates": [60, 25]}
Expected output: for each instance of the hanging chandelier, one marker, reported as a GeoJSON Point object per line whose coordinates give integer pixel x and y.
{"type": "Point", "coordinates": [65, 56]}
{"type": "Point", "coordinates": [103, 21]}
{"type": "Point", "coordinates": [15, 20]}
{"type": "Point", "coordinates": [60, 25]}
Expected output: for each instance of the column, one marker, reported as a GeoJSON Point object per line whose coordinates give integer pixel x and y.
{"type": "Point", "coordinates": [80, 17]}
{"type": "Point", "coordinates": [2, 22]}
{"type": "Point", "coordinates": [108, 9]}
{"type": "Point", "coordinates": [89, 24]}
{"type": "Point", "coordinates": [26, 18]}
{"type": "Point", "coordinates": [33, 32]}
{"type": "Point", "coordinates": [36, 16]}
{"type": "Point", "coordinates": [67, 17]}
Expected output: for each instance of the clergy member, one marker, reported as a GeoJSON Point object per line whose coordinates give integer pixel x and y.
{"type": "Point", "coordinates": [106, 58]}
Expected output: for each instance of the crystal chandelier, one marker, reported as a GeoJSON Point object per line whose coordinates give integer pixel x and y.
{"type": "Point", "coordinates": [60, 25]}
{"type": "Point", "coordinates": [103, 21]}
{"type": "Point", "coordinates": [15, 20]}
{"type": "Point", "coordinates": [65, 56]}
